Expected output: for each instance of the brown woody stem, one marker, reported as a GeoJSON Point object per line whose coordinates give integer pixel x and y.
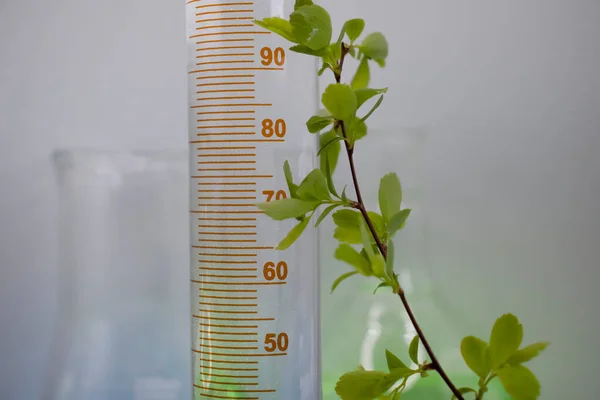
{"type": "Point", "coordinates": [360, 205]}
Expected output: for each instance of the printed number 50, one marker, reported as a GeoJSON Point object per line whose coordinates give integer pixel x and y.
{"type": "Point", "coordinates": [274, 342]}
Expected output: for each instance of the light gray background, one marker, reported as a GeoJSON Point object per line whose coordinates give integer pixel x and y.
{"type": "Point", "coordinates": [510, 91]}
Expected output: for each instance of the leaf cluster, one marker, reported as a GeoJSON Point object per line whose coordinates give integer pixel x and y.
{"type": "Point", "coordinates": [503, 358]}
{"type": "Point", "coordinates": [351, 230]}
{"type": "Point", "coordinates": [389, 385]}
{"type": "Point", "coordinates": [305, 198]}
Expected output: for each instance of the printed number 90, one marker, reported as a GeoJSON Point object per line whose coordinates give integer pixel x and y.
{"type": "Point", "coordinates": [270, 56]}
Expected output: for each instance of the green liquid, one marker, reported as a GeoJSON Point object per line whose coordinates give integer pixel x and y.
{"type": "Point", "coordinates": [430, 388]}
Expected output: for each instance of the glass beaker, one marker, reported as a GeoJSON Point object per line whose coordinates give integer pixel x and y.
{"type": "Point", "coordinates": [123, 326]}
{"type": "Point", "coordinates": [358, 326]}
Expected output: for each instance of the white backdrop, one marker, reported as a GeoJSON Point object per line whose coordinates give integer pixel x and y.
{"type": "Point", "coordinates": [510, 92]}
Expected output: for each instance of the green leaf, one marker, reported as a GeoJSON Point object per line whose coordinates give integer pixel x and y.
{"type": "Point", "coordinates": [329, 155]}
{"type": "Point", "coordinates": [288, 208]}
{"type": "Point", "coordinates": [398, 373]}
{"type": "Point", "coordinates": [325, 213]}
{"type": "Point", "coordinates": [398, 221]}
{"type": "Point", "coordinates": [393, 377]}
{"type": "Point", "coordinates": [362, 77]}
{"type": "Point", "coordinates": [375, 47]}
{"type": "Point", "coordinates": [311, 26]}
{"type": "Point", "coordinates": [290, 179]}
{"type": "Point", "coordinates": [364, 95]}
{"type": "Point", "coordinates": [317, 123]}
{"type": "Point", "coordinates": [375, 107]}
{"type": "Point", "coordinates": [324, 68]}
{"type": "Point", "coordinates": [279, 26]}
{"type": "Point", "coordinates": [464, 390]}
{"type": "Point", "coordinates": [329, 146]}
{"type": "Point", "coordinates": [341, 279]}
{"type": "Point", "coordinates": [335, 52]}
{"type": "Point", "coordinates": [389, 263]}
{"type": "Point", "coordinates": [330, 143]}
{"type": "Point", "coordinates": [348, 254]}
{"type": "Point", "coordinates": [347, 226]}
{"type": "Point", "coordinates": [476, 355]}
{"type": "Point", "coordinates": [363, 385]}
{"type": "Point", "coordinates": [378, 223]}
{"type": "Point", "coordinates": [328, 174]}
{"type": "Point", "coordinates": [301, 3]}
{"type": "Point", "coordinates": [341, 36]}
{"type": "Point", "coordinates": [340, 100]}
{"type": "Point", "coordinates": [360, 385]}
{"type": "Point", "coordinates": [527, 353]}
{"type": "Point", "coordinates": [367, 254]}
{"type": "Point", "coordinates": [413, 350]}
{"type": "Point", "coordinates": [354, 28]}
{"type": "Point", "coordinates": [302, 49]}
{"type": "Point", "coordinates": [294, 234]}
{"type": "Point", "coordinates": [506, 337]}
{"type": "Point", "coordinates": [347, 235]}
{"type": "Point", "coordinates": [348, 223]}
{"type": "Point", "coordinates": [356, 130]}
{"type": "Point", "coordinates": [378, 265]}
{"type": "Point", "coordinates": [367, 240]}
{"type": "Point", "coordinates": [519, 382]}
{"type": "Point", "coordinates": [391, 396]}
{"type": "Point", "coordinates": [393, 362]}
{"type": "Point", "coordinates": [344, 196]}
{"type": "Point", "coordinates": [314, 187]}
{"type": "Point", "coordinates": [390, 196]}
{"type": "Point", "coordinates": [381, 285]}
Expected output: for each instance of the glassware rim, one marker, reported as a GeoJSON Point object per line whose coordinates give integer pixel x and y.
{"type": "Point", "coordinates": [123, 160]}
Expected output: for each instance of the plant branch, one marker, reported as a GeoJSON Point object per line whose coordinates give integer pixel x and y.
{"type": "Point", "coordinates": [360, 205]}
{"type": "Point", "coordinates": [434, 361]}
{"type": "Point", "coordinates": [429, 367]}
{"type": "Point", "coordinates": [382, 247]}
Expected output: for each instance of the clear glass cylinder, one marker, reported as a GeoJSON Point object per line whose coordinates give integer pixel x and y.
{"type": "Point", "coordinates": [359, 326]}
{"type": "Point", "coordinates": [122, 328]}
{"type": "Point", "coordinates": [255, 310]}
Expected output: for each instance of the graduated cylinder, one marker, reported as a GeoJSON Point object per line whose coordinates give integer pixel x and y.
{"type": "Point", "coordinates": [254, 308]}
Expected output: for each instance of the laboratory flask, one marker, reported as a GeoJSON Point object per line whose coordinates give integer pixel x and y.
{"type": "Point", "coordinates": [122, 331]}
{"type": "Point", "coordinates": [358, 326]}
{"type": "Point", "coordinates": [254, 309]}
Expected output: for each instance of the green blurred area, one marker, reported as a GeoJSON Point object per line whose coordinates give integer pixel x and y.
{"type": "Point", "coordinates": [430, 388]}
{"type": "Point", "coordinates": [357, 328]}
